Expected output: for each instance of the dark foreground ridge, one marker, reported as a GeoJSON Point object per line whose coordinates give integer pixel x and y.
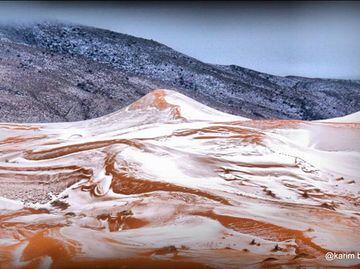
{"type": "Point", "coordinates": [53, 72]}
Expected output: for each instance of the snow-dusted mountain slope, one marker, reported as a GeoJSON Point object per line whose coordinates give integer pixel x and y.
{"type": "Point", "coordinates": [53, 72]}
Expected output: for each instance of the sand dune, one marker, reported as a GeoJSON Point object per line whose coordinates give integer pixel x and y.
{"type": "Point", "coordinates": [170, 183]}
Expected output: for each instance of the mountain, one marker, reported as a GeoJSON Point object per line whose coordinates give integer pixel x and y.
{"type": "Point", "coordinates": [53, 72]}
{"type": "Point", "coordinates": [167, 182]}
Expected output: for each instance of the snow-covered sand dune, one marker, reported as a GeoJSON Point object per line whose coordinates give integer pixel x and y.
{"type": "Point", "coordinates": [354, 117]}
{"type": "Point", "coordinates": [170, 183]}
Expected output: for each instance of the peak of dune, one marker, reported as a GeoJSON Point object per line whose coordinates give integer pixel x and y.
{"type": "Point", "coordinates": [157, 100]}
{"type": "Point", "coordinates": [179, 106]}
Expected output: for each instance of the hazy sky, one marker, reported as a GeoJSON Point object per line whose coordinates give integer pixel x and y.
{"type": "Point", "coordinates": [319, 39]}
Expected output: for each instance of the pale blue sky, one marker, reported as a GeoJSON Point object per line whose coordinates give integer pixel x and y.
{"type": "Point", "coordinates": [299, 38]}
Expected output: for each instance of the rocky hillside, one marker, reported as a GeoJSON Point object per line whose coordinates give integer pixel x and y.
{"type": "Point", "coordinates": [61, 72]}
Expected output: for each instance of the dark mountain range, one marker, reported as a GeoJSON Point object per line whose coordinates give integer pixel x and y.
{"type": "Point", "coordinates": [53, 72]}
